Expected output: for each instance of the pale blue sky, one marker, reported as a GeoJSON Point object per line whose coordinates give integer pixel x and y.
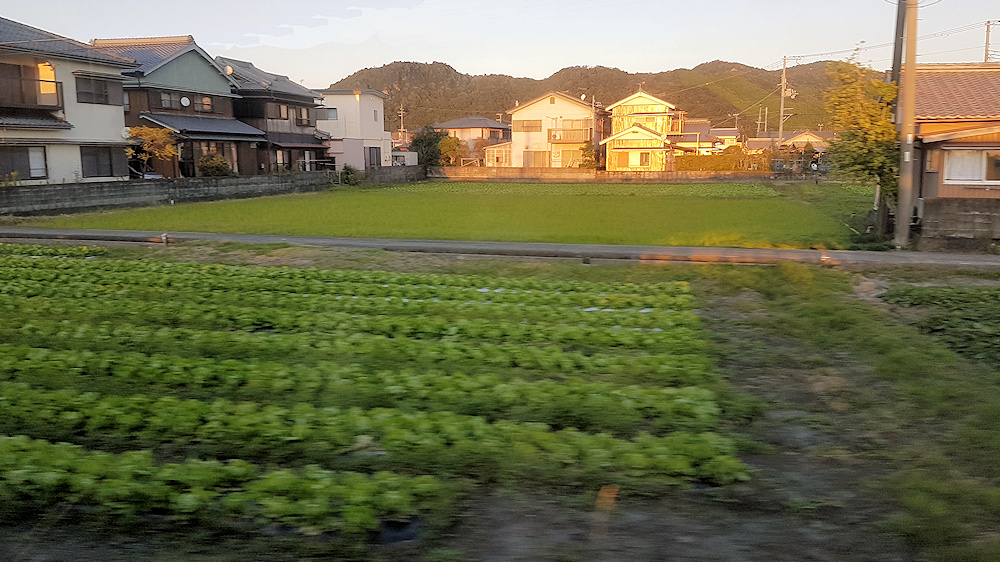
{"type": "Point", "coordinates": [321, 41]}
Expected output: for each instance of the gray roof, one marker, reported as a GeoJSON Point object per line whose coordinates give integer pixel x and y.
{"type": "Point", "coordinates": [30, 119]}
{"type": "Point", "coordinates": [196, 125]}
{"type": "Point", "coordinates": [252, 80]}
{"type": "Point", "coordinates": [17, 37]}
{"type": "Point", "coordinates": [958, 91]}
{"type": "Point", "coordinates": [150, 52]}
{"type": "Point", "coordinates": [471, 123]}
{"type": "Point", "coordinates": [725, 132]}
{"type": "Point", "coordinates": [343, 92]}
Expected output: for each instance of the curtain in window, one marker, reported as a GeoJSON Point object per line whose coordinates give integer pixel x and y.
{"type": "Point", "coordinates": [964, 165]}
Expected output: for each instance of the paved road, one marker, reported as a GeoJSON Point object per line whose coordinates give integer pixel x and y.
{"type": "Point", "coordinates": [583, 252]}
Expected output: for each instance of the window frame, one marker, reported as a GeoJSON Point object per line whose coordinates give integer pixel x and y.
{"type": "Point", "coordinates": [527, 126]}
{"type": "Point", "coordinates": [98, 91]}
{"type": "Point", "coordinates": [117, 162]}
{"type": "Point", "coordinates": [984, 154]}
{"type": "Point", "coordinates": [201, 107]}
{"type": "Point", "coordinates": [24, 154]}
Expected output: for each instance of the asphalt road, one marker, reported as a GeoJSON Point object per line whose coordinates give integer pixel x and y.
{"type": "Point", "coordinates": [583, 252]}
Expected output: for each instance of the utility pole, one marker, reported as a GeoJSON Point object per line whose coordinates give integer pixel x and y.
{"type": "Point", "coordinates": [908, 102]}
{"type": "Point", "coordinates": [760, 113]}
{"type": "Point", "coordinates": [401, 113]}
{"type": "Point", "coordinates": [989, 24]}
{"type": "Point", "coordinates": [781, 112]}
{"type": "Point", "coordinates": [897, 51]}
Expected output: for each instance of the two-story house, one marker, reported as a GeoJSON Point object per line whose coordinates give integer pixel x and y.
{"type": "Point", "coordinates": [179, 87]}
{"type": "Point", "coordinates": [551, 131]}
{"type": "Point", "coordinates": [355, 121]}
{"type": "Point", "coordinates": [645, 133]}
{"type": "Point", "coordinates": [284, 110]}
{"type": "Point", "coordinates": [60, 108]}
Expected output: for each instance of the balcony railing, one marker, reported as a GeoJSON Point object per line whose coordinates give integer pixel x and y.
{"type": "Point", "coordinates": [570, 135]}
{"type": "Point", "coordinates": [32, 94]}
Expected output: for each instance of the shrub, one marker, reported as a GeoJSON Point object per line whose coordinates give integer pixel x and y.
{"type": "Point", "coordinates": [214, 165]}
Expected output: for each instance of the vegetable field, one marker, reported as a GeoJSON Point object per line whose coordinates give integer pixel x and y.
{"type": "Point", "coordinates": [336, 402]}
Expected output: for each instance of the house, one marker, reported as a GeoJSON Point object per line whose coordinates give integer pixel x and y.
{"type": "Point", "coordinates": [60, 109]}
{"type": "Point", "coordinates": [355, 121]}
{"type": "Point", "coordinates": [768, 140]}
{"type": "Point", "coordinates": [551, 131]}
{"type": "Point", "coordinates": [284, 110]}
{"type": "Point", "coordinates": [476, 131]}
{"type": "Point", "coordinates": [958, 131]}
{"type": "Point", "coordinates": [178, 86]}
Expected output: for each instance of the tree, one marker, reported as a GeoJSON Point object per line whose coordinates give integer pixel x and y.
{"type": "Point", "coordinates": [156, 143]}
{"type": "Point", "coordinates": [425, 144]}
{"type": "Point", "coordinates": [860, 106]}
{"type": "Point", "coordinates": [452, 151]}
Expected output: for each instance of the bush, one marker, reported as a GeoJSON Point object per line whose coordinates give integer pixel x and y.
{"type": "Point", "coordinates": [214, 165]}
{"type": "Point", "coordinates": [349, 175]}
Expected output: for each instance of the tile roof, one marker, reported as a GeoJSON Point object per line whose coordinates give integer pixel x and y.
{"type": "Point", "coordinates": [198, 125]}
{"type": "Point", "coordinates": [252, 79]}
{"type": "Point", "coordinates": [471, 123]}
{"type": "Point", "coordinates": [148, 52]}
{"type": "Point", "coordinates": [31, 119]}
{"type": "Point", "coordinates": [958, 91]}
{"type": "Point", "coordinates": [17, 37]}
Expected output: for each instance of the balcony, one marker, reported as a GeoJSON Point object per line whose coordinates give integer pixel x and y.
{"type": "Point", "coordinates": [31, 94]}
{"type": "Point", "coordinates": [570, 135]}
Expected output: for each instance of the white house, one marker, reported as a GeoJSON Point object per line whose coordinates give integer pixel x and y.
{"type": "Point", "coordinates": [61, 116]}
{"type": "Point", "coordinates": [549, 132]}
{"type": "Point", "coordinates": [355, 120]}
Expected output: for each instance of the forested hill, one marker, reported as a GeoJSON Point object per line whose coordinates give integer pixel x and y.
{"type": "Point", "coordinates": [436, 92]}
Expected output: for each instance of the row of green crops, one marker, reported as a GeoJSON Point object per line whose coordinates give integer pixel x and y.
{"type": "Point", "coordinates": [331, 400]}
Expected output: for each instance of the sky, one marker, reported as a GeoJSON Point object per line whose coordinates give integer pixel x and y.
{"type": "Point", "coordinates": [318, 42]}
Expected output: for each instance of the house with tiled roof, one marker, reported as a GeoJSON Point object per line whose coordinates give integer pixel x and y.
{"type": "Point", "coordinates": [179, 87]}
{"type": "Point", "coordinates": [60, 108]}
{"type": "Point", "coordinates": [284, 110]}
{"type": "Point", "coordinates": [551, 131]}
{"type": "Point", "coordinates": [958, 130]}
{"type": "Point", "coordinates": [475, 131]}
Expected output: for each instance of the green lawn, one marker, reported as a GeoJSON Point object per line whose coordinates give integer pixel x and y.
{"type": "Point", "coordinates": [748, 215]}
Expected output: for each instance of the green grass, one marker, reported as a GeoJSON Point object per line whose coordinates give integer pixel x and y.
{"type": "Point", "coordinates": [743, 215]}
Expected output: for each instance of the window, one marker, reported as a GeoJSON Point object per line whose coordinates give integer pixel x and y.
{"type": "Point", "coordinates": [95, 90]}
{"type": "Point", "coordinates": [203, 104]}
{"type": "Point", "coordinates": [170, 100]}
{"type": "Point", "coordinates": [932, 161]}
{"type": "Point", "coordinates": [552, 100]}
{"type": "Point", "coordinates": [972, 166]}
{"type": "Point", "coordinates": [536, 159]}
{"type": "Point", "coordinates": [125, 101]}
{"type": "Point", "coordinates": [643, 159]}
{"type": "Point", "coordinates": [283, 112]}
{"type": "Point", "coordinates": [622, 159]}
{"type": "Point", "coordinates": [103, 161]}
{"type": "Point", "coordinates": [528, 126]}
{"type": "Point", "coordinates": [28, 162]}
{"type": "Point", "coordinates": [331, 113]}
{"type": "Point", "coordinates": [375, 111]}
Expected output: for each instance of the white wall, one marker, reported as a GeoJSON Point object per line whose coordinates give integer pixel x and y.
{"type": "Point", "coordinates": [93, 124]}
{"type": "Point", "coordinates": [551, 116]}
{"type": "Point", "coordinates": [360, 117]}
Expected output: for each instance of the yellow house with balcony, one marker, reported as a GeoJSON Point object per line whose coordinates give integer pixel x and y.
{"type": "Point", "coordinates": [643, 133]}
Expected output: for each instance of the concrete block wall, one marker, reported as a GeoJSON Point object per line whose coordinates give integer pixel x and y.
{"type": "Point", "coordinates": [77, 197]}
{"type": "Point", "coordinates": [395, 174]}
{"type": "Point", "coordinates": [959, 224]}
{"type": "Point", "coordinates": [573, 175]}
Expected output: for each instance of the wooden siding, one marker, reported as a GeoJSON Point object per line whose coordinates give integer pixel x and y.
{"type": "Point", "coordinates": [659, 159]}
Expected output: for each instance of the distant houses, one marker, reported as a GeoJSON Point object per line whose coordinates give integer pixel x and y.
{"type": "Point", "coordinates": [355, 122]}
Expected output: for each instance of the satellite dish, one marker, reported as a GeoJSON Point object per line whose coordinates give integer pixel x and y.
{"type": "Point", "coordinates": [583, 96]}
{"type": "Point", "coordinates": [229, 70]}
{"type": "Point", "coordinates": [126, 133]}
{"type": "Point", "coordinates": [185, 101]}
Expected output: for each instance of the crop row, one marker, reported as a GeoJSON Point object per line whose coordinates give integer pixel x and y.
{"type": "Point", "coordinates": [689, 367]}
{"type": "Point", "coordinates": [201, 277]}
{"type": "Point", "coordinates": [442, 443]}
{"type": "Point", "coordinates": [36, 475]}
{"type": "Point", "coordinates": [361, 305]}
{"type": "Point", "coordinates": [42, 250]}
{"type": "Point", "coordinates": [213, 317]}
{"type": "Point", "coordinates": [585, 405]}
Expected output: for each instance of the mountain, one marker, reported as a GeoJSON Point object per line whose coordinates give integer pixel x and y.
{"type": "Point", "coordinates": [435, 92]}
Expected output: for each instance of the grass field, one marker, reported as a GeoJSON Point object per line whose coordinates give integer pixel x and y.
{"type": "Point", "coordinates": [742, 215]}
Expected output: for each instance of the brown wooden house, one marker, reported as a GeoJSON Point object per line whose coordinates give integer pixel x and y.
{"type": "Point", "coordinates": [284, 110]}
{"type": "Point", "coordinates": [178, 86]}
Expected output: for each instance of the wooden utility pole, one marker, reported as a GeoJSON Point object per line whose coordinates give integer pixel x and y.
{"type": "Point", "coordinates": [907, 112]}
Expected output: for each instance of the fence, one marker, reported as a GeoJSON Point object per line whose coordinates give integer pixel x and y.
{"type": "Point", "coordinates": [573, 175]}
